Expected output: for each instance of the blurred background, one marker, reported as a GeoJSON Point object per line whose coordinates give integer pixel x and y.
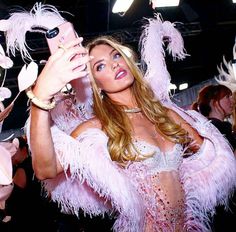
{"type": "Point", "coordinates": [208, 28]}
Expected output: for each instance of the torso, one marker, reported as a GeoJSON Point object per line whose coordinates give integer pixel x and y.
{"type": "Point", "coordinates": [157, 180]}
{"type": "Point", "coordinates": [157, 177]}
{"type": "Point", "coordinates": [144, 130]}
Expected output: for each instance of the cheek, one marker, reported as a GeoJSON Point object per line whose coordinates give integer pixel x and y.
{"type": "Point", "coordinates": [100, 81]}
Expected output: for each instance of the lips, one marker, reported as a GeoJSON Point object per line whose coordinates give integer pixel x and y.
{"type": "Point", "coordinates": [120, 74]}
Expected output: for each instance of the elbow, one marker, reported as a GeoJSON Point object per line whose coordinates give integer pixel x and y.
{"type": "Point", "coordinates": [44, 174]}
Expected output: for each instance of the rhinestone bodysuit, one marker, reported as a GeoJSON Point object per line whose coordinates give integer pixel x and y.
{"type": "Point", "coordinates": [159, 185]}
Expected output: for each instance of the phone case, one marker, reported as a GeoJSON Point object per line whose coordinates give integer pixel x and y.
{"type": "Point", "coordinates": [60, 35]}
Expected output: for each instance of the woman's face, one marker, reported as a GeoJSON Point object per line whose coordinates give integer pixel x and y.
{"type": "Point", "coordinates": [110, 70]}
{"type": "Point", "coordinates": [227, 104]}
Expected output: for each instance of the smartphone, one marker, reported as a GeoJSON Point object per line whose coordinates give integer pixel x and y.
{"type": "Point", "coordinates": [60, 35]}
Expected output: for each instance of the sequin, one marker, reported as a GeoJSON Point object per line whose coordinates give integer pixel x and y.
{"type": "Point", "coordinates": [159, 185]}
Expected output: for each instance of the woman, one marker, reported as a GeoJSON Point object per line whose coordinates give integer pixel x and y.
{"type": "Point", "coordinates": [129, 155]}
{"type": "Point", "coordinates": [216, 103]}
{"type": "Point", "coordinates": [134, 158]}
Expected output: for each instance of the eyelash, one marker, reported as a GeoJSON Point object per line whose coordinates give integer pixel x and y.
{"type": "Point", "coordinates": [116, 55]}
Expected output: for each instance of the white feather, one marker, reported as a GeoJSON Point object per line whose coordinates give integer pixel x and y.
{"type": "Point", "coordinates": [27, 76]}
{"type": "Point", "coordinates": [40, 18]}
{"type": "Point", "coordinates": [227, 73]}
{"type": "Point", "coordinates": [4, 93]}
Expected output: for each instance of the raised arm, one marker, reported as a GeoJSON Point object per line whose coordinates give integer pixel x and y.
{"type": "Point", "coordinates": [59, 70]}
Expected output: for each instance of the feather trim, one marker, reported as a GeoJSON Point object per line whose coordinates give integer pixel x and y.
{"type": "Point", "coordinates": [86, 162]}
{"type": "Point", "coordinates": [227, 73]}
{"type": "Point", "coordinates": [153, 54]}
{"type": "Point", "coordinates": [39, 19]}
{"type": "Point", "coordinates": [209, 176]}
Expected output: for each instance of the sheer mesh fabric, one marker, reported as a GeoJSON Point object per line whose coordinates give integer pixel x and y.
{"type": "Point", "coordinates": [159, 184]}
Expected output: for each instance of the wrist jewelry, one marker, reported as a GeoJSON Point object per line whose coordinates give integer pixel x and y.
{"type": "Point", "coordinates": [37, 102]}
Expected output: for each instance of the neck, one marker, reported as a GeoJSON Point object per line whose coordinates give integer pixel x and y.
{"type": "Point", "coordinates": [123, 97]}
{"type": "Point", "coordinates": [217, 116]}
{"type": "Point", "coordinates": [133, 110]}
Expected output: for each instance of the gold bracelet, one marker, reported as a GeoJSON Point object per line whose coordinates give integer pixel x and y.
{"type": "Point", "coordinates": [37, 102]}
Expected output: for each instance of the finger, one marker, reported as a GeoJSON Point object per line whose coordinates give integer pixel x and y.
{"type": "Point", "coordinates": [75, 52]}
{"type": "Point", "coordinates": [79, 61]}
{"type": "Point", "coordinates": [73, 43]}
{"type": "Point", "coordinates": [79, 74]}
{"type": "Point", "coordinates": [63, 48]}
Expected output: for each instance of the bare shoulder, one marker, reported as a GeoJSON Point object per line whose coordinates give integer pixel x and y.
{"type": "Point", "coordinates": [91, 123]}
{"type": "Point", "coordinates": [175, 116]}
{"type": "Point", "coordinates": [185, 125]}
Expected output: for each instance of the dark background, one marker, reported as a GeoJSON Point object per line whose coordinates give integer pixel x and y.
{"type": "Point", "coordinates": [208, 28]}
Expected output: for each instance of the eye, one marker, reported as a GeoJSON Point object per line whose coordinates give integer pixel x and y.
{"type": "Point", "coordinates": [116, 55]}
{"type": "Point", "coordinates": [100, 67]}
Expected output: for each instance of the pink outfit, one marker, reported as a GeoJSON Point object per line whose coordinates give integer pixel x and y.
{"type": "Point", "coordinates": [161, 193]}
{"type": "Point", "coordinates": [165, 192]}
{"type": "Point", "coordinates": [7, 150]}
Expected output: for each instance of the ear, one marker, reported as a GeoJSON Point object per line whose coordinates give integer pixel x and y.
{"type": "Point", "coordinates": [213, 104]}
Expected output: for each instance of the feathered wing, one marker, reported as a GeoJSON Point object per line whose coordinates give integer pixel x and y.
{"type": "Point", "coordinates": [154, 34]}
{"type": "Point", "coordinates": [209, 176]}
{"type": "Point", "coordinates": [88, 181]}
{"type": "Point", "coordinates": [39, 19]}
{"type": "Point", "coordinates": [227, 72]}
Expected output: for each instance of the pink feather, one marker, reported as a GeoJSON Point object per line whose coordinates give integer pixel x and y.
{"type": "Point", "coordinates": [5, 62]}
{"type": "Point", "coordinates": [227, 72]}
{"type": "Point", "coordinates": [4, 93]}
{"type": "Point", "coordinates": [43, 17]}
{"type": "Point", "coordinates": [153, 54]}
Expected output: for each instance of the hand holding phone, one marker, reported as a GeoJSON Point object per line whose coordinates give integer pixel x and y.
{"type": "Point", "coordinates": [60, 35]}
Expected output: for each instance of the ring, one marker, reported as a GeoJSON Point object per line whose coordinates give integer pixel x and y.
{"type": "Point", "coordinates": [85, 67]}
{"type": "Point", "coordinates": [62, 47]}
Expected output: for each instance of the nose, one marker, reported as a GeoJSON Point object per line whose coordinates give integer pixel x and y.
{"type": "Point", "coordinates": [115, 65]}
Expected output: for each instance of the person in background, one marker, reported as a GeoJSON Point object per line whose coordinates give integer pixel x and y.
{"type": "Point", "coordinates": [27, 201]}
{"type": "Point", "coordinates": [216, 103]}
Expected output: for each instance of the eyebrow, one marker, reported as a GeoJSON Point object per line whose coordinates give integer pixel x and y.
{"type": "Point", "coordinates": [103, 59]}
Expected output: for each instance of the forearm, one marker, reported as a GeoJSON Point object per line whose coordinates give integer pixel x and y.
{"type": "Point", "coordinates": [41, 143]}
{"type": "Point", "coordinates": [58, 71]}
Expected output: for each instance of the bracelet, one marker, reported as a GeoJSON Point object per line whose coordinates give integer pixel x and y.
{"type": "Point", "coordinates": [37, 102]}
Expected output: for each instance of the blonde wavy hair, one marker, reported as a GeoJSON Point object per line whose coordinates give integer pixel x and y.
{"type": "Point", "coordinates": [115, 122]}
